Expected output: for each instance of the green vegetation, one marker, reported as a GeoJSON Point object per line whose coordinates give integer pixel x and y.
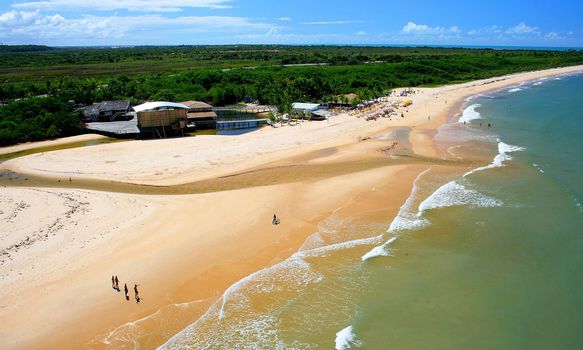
{"type": "Point", "coordinates": [37, 119]}
{"type": "Point", "coordinates": [223, 75]}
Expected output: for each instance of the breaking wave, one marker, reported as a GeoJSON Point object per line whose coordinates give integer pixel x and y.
{"type": "Point", "coordinates": [503, 155]}
{"type": "Point", "coordinates": [346, 339]}
{"type": "Point", "coordinates": [454, 194]}
{"type": "Point", "coordinates": [407, 218]}
{"type": "Point", "coordinates": [381, 250]}
{"type": "Point", "coordinates": [470, 113]}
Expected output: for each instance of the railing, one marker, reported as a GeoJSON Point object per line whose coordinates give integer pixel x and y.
{"type": "Point", "coordinates": [240, 124]}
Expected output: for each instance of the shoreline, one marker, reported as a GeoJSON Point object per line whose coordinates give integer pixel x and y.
{"type": "Point", "coordinates": [183, 232]}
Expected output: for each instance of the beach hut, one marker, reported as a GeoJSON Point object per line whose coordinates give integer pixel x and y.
{"type": "Point", "coordinates": [162, 118]}
{"type": "Point", "coordinates": [305, 109]}
{"type": "Point", "coordinates": [200, 115]}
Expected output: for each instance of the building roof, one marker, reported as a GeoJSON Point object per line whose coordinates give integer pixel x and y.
{"type": "Point", "coordinates": [196, 105]}
{"type": "Point", "coordinates": [106, 106]}
{"type": "Point", "coordinates": [120, 105]}
{"type": "Point", "coordinates": [91, 110]}
{"type": "Point", "coordinates": [305, 106]}
{"type": "Point", "coordinates": [151, 106]}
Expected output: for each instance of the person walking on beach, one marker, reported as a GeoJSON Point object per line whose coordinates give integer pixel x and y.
{"type": "Point", "coordinates": [275, 220]}
{"type": "Point", "coordinates": [125, 289]}
{"type": "Point", "coordinates": [113, 282]}
{"type": "Point", "coordinates": [116, 284]}
{"type": "Point", "coordinates": [136, 294]}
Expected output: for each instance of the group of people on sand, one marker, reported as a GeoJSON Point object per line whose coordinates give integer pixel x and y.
{"type": "Point", "coordinates": [374, 110]}
{"type": "Point", "coordinates": [115, 286]}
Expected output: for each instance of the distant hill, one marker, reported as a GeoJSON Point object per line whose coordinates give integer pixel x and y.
{"type": "Point", "coordinates": [25, 48]}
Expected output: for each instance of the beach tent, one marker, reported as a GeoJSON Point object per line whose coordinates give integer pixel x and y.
{"type": "Point", "coordinates": [407, 103]}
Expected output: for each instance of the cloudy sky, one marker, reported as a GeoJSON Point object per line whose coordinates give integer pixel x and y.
{"type": "Point", "coordinates": [169, 22]}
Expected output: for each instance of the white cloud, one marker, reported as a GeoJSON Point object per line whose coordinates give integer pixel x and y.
{"type": "Point", "coordinates": [27, 26]}
{"type": "Point", "coordinates": [553, 36]}
{"type": "Point", "coordinates": [360, 32]}
{"type": "Point", "coordinates": [331, 22]}
{"type": "Point", "coordinates": [522, 28]}
{"type": "Point", "coordinates": [34, 26]}
{"type": "Point", "coordinates": [284, 19]}
{"type": "Point", "coordinates": [272, 32]}
{"type": "Point", "coordinates": [412, 28]}
{"type": "Point", "coordinates": [130, 5]}
{"type": "Point", "coordinates": [486, 30]}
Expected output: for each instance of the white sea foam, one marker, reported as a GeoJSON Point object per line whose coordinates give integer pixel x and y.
{"type": "Point", "coordinates": [538, 83]}
{"type": "Point", "coordinates": [408, 218]}
{"type": "Point", "coordinates": [409, 222]}
{"type": "Point", "coordinates": [381, 250]}
{"type": "Point", "coordinates": [506, 148]}
{"type": "Point", "coordinates": [470, 113]}
{"type": "Point", "coordinates": [578, 204]}
{"type": "Point", "coordinates": [346, 339]}
{"type": "Point", "coordinates": [454, 194]}
{"type": "Point", "coordinates": [294, 269]}
{"type": "Point", "coordinates": [326, 250]}
{"type": "Point", "coordinates": [515, 89]}
{"type": "Point", "coordinates": [500, 158]}
{"type": "Point", "coordinates": [538, 168]}
{"type": "Point", "coordinates": [297, 270]}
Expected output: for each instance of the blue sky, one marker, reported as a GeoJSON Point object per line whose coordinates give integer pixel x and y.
{"type": "Point", "coordinates": [169, 22]}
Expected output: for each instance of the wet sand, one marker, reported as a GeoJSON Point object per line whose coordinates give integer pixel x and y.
{"type": "Point", "coordinates": [206, 224]}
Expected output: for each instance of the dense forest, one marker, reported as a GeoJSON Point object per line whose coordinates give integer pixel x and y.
{"type": "Point", "coordinates": [223, 75]}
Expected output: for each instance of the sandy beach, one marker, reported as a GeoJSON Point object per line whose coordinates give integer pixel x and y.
{"type": "Point", "coordinates": [60, 246]}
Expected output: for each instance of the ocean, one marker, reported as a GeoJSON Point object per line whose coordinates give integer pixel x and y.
{"type": "Point", "coordinates": [479, 257]}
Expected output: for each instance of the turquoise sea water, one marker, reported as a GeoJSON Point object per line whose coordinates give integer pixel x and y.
{"type": "Point", "coordinates": [478, 258]}
{"type": "Point", "coordinates": [500, 267]}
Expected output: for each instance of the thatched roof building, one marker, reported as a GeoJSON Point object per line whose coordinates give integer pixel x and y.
{"type": "Point", "coordinates": [200, 114]}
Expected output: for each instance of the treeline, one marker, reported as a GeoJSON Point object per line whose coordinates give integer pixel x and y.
{"type": "Point", "coordinates": [25, 48]}
{"type": "Point", "coordinates": [272, 84]}
{"type": "Point", "coordinates": [37, 119]}
{"type": "Point", "coordinates": [239, 72]}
